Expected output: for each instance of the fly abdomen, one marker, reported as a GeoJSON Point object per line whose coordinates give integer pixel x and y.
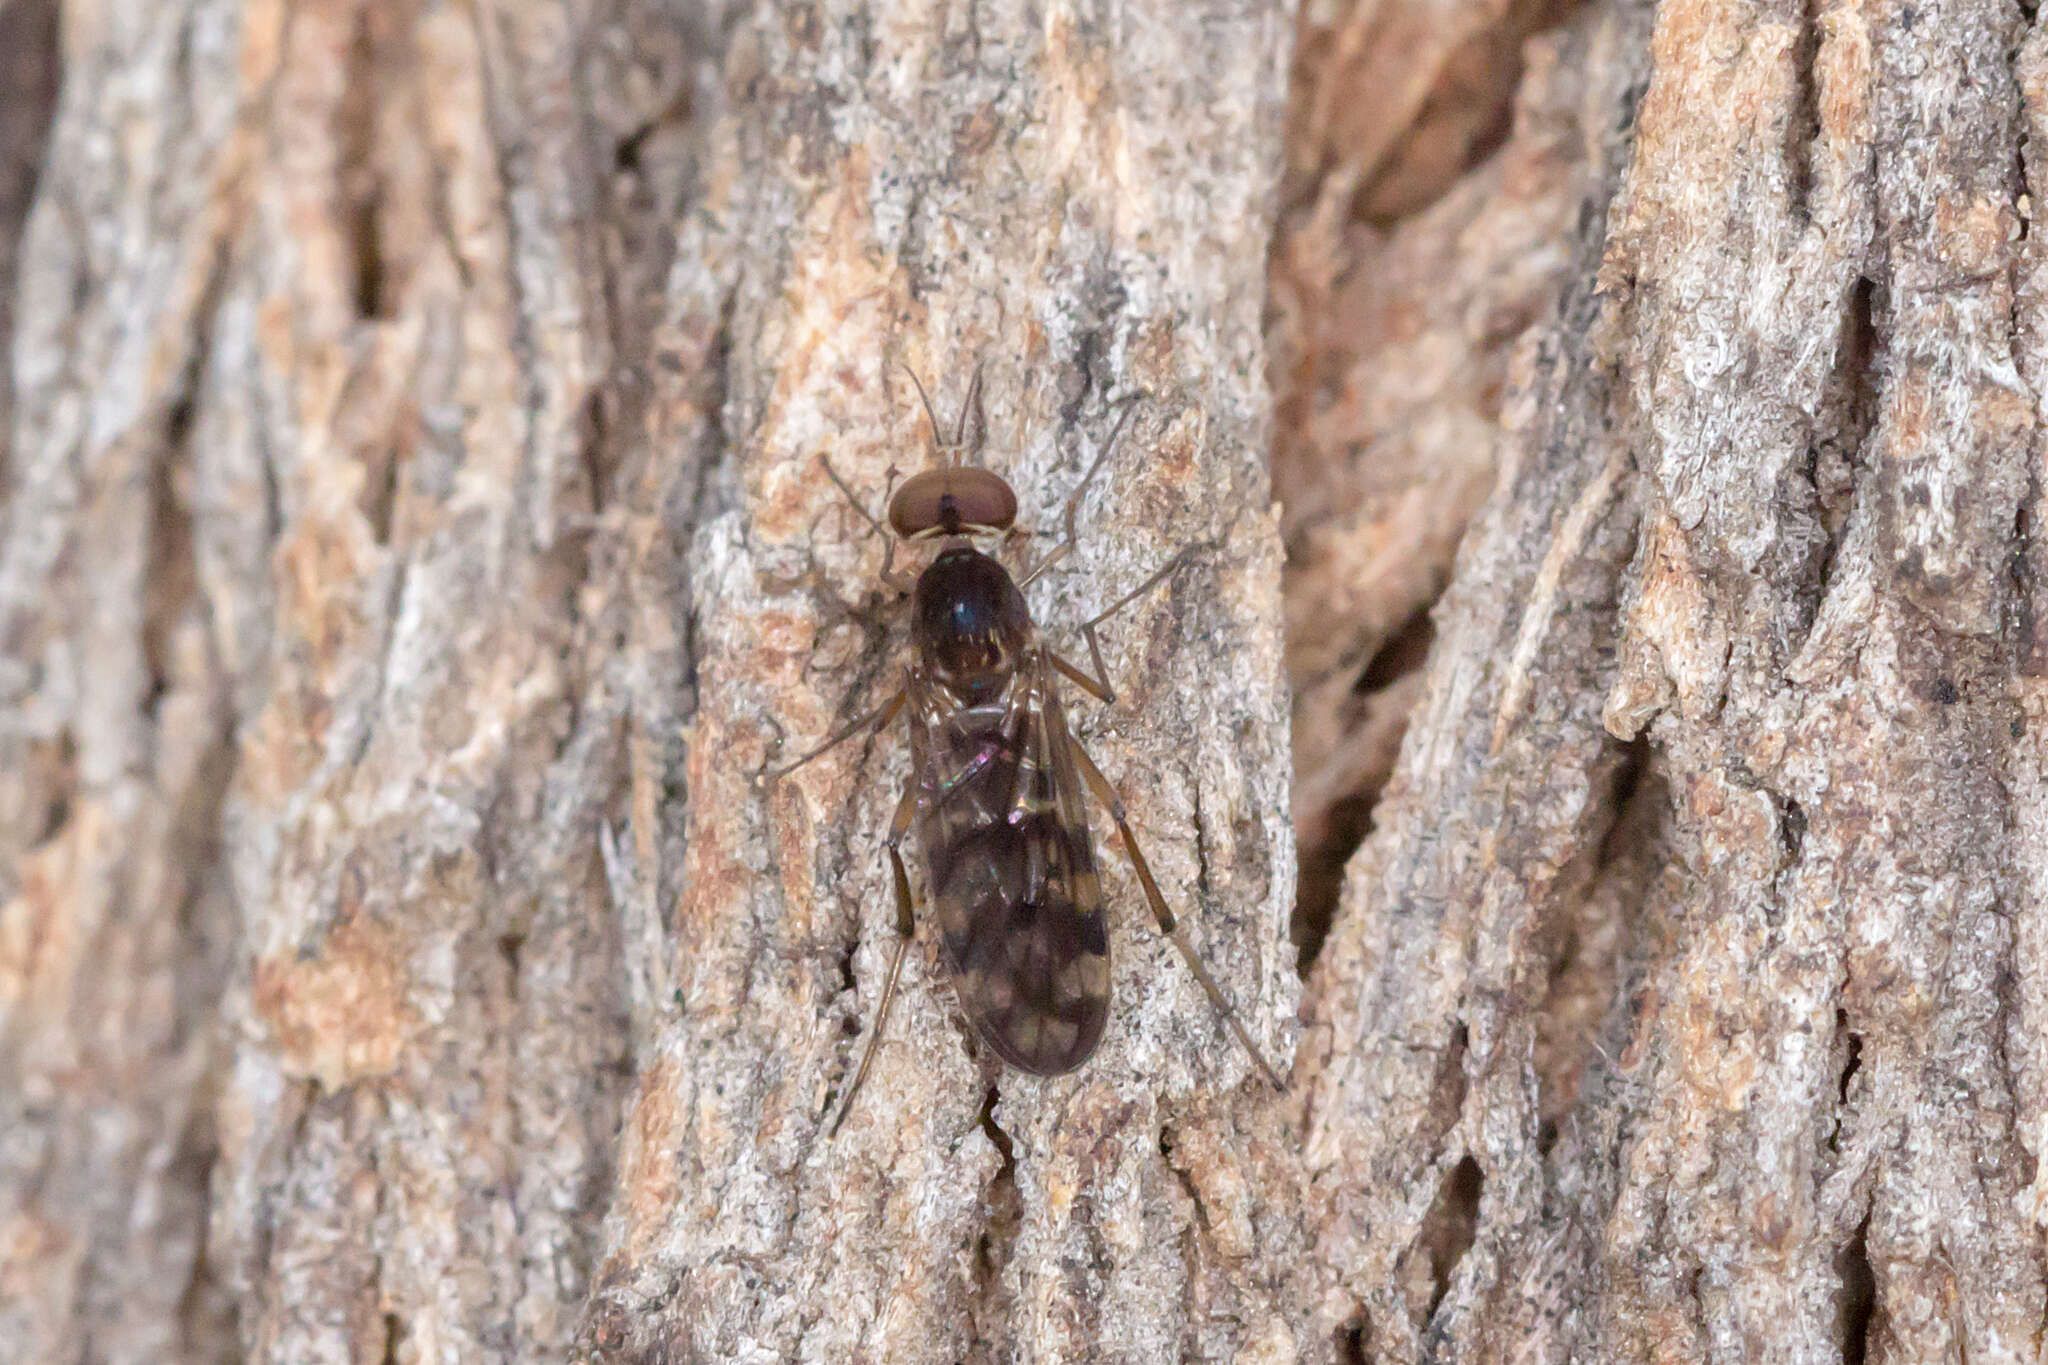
{"type": "Point", "coordinates": [1019, 905]}
{"type": "Point", "coordinates": [1030, 966]}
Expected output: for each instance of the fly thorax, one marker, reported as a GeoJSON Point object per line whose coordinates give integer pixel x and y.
{"type": "Point", "coordinates": [971, 626]}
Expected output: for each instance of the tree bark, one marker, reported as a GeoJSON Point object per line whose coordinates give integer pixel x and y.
{"type": "Point", "coordinates": [1685, 1001]}
{"type": "Point", "coordinates": [415, 547]}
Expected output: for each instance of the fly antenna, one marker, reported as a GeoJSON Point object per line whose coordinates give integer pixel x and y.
{"type": "Point", "coordinates": [967, 407]}
{"type": "Point", "coordinates": [929, 415]}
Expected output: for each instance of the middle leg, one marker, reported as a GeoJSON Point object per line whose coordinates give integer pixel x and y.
{"type": "Point", "coordinates": [873, 720]}
{"type": "Point", "coordinates": [1098, 683]}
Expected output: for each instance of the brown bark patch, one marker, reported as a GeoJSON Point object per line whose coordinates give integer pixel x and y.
{"type": "Point", "coordinates": [339, 1016]}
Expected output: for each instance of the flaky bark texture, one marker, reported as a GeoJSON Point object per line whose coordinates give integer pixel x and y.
{"type": "Point", "coordinates": [1685, 1002]}
{"type": "Point", "coordinates": [415, 548]}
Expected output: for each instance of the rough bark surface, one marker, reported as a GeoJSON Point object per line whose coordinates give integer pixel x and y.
{"type": "Point", "coordinates": [414, 547]}
{"type": "Point", "coordinates": [1684, 1002]}
{"type": "Point", "coordinates": [1078, 201]}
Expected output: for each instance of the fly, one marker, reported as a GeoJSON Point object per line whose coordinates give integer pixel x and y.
{"type": "Point", "coordinates": [995, 799]}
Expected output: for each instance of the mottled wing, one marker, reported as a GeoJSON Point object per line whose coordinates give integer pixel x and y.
{"type": "Point", "coordinates": [1012, 870]}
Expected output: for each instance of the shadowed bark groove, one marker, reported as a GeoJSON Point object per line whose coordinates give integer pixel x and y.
{"type": "Point", "coordinates": [414, 546]}
{"type": "Point", "coordinates": [30, 66]}
{"type": "Point", "coordinates": [1393, 339]}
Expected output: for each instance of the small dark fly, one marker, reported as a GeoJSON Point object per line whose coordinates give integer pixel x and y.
{"type": "Point", "coordinates": [995, 797]}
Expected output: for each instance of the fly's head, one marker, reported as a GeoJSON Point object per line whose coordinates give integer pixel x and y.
{"type": "Point", "coordinates": [952, 501]}
{"type": "Point", "coordinates": [955, 499]}
{"type": "Point", "coordinates": [970, 625]}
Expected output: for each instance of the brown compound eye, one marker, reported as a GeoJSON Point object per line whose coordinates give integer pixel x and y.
{"type": "Point", "coordinates": [952, 501]}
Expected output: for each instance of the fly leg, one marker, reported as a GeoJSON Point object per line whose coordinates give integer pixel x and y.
{"type": "Point", "coordinates": [873, 720]}
{"type": "Point", "coordinates": [897, 582]}
{"type": "Point", "coordinates": [1098, 683]}
{"type": "Point", "coordinates": [1066, 545]}
{"type": "Point", "coordinates": [905, 928]}
{"type": "Point", "coordinates": [1168, 925]}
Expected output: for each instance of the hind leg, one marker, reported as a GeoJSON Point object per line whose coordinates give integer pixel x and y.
{"type": "Point", "coordinates": [906, 927]}
{"type": "Point", "coordinates": [1168, 925]}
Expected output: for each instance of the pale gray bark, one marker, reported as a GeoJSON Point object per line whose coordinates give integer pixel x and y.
{"type": "Point", "coordinates": [1077, 200]}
